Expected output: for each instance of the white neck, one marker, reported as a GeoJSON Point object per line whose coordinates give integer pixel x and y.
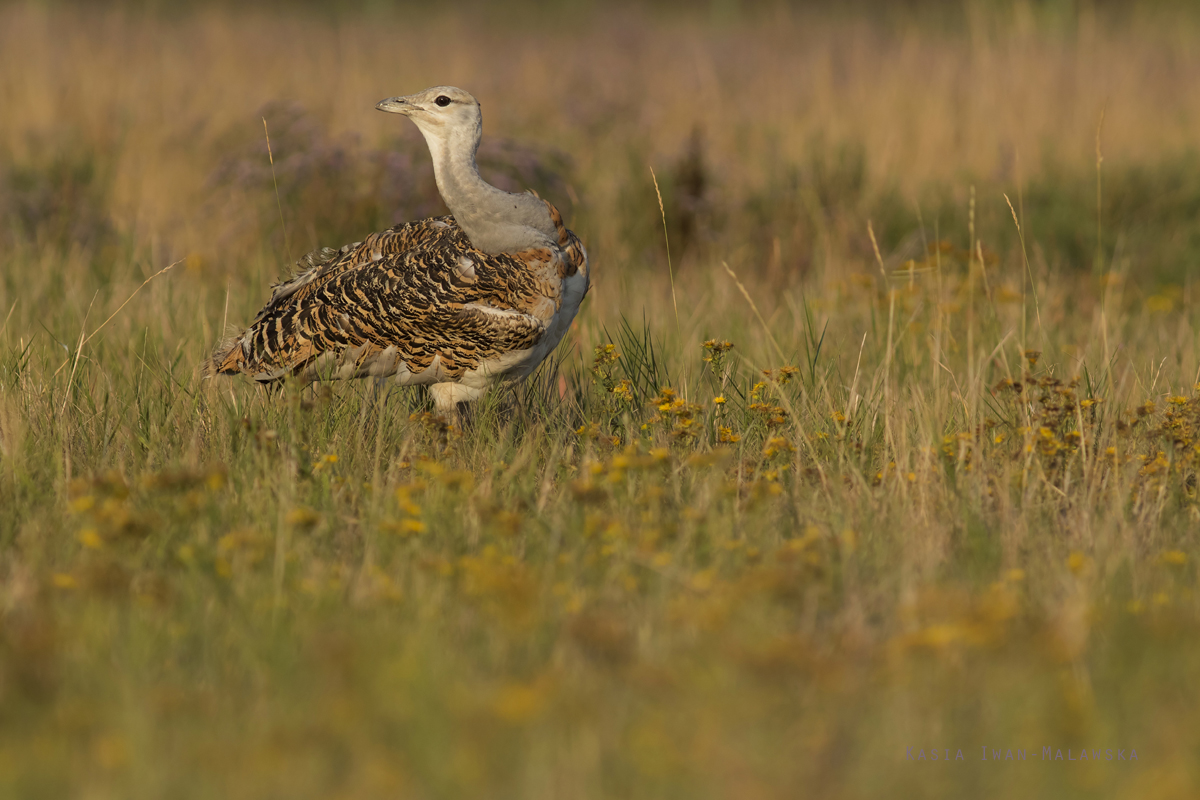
{"type": "Point", "coordinates": [494, 220]}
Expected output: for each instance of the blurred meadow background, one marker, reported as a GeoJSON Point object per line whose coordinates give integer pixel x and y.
{"type": "Point", "coordinates": [894, 455]}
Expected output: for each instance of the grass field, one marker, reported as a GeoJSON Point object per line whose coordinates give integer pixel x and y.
{"type": "Point", "coordinates": [896, 457]}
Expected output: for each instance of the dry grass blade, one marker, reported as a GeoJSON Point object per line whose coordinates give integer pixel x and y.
{"type": "Point", "coordinates": [1028, 271]}
{"type": "Point", "coordinates": [287, 248]}
{"type": "Point", "coordinates": [7, 317]}
{"type": "Point", "coordinates": [758, 314]}
{"type": "Point", "coordinates": [667, 240]}
{"type": "Point", "coordinates": [83, 341]}
{"type": "Point", "coordinates": [74, 361]}
{"type": "Point", "coordinates": [1099, 193]}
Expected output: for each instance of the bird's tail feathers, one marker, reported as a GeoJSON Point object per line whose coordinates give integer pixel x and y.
{"type": "Point", "coordinates": [227, 359]}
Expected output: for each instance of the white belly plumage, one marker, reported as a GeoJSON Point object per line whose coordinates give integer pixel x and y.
{"type": "Point", "coordinates": [515, 364]}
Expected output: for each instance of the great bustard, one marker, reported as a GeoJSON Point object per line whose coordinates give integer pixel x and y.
{"type": "Point", "coordinates": [456, 303]}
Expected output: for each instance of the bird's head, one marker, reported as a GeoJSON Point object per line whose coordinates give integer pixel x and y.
{"type": "Point", "coordinates": [439, 110]}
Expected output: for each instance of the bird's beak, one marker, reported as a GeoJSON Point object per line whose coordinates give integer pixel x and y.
{"type": "Point", "coordinates": [396, 105]}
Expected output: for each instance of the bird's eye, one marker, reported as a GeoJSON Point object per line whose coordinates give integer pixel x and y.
{"type": "Point", "coordinates": [442, 100]}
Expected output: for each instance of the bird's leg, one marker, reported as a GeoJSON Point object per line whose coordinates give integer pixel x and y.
{"type": "Point", "coordinates": [445, 405]}
{"type": "Point", "coordinates": [373, 402]}
{"type": "Point", "coordinates": [464, 413]}
{"type": "Point", "coordinates": [450, 398]}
